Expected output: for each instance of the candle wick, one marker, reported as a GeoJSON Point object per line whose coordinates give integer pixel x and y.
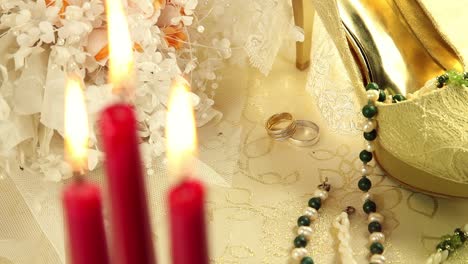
{"type": "Point", "coordinates": [78, 176]}
{"type": "Point", "coordinates": [123, 94]}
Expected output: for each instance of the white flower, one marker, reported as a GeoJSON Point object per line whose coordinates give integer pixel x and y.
{"type": "Point", "coordinates": [189, 6]}
{"type": "Point", "coordinates": [94, 157]}
{"type": "Point", "coordinates": [145, 6]}
{"type": "Point", "coordinates": [29, 38]}
{"type": "Point", "coordinates": [47, 32]}
{"type": "Point", "coordinates": [94, 11]}
{"type": "Point", "coordinates": [53, 167]}
{"type": "Point", "coordinates": [7, 5]}
{"type": "Point", "coordinates": [23, 17]}
{"type": "Point", "coordinates": [20, 56]}
{"type": "Point", "coordinates": [74, 13]}
{"type": "Point", "coordinates": [98, 97]}
{"type": "Point", "coordinates": [52, 13]}
{"type": "Point", "coordinates": [73, 29]}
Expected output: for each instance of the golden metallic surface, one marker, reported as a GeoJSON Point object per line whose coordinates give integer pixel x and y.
{"type": "Point", "coordinates": [304, 18]}
{"type": "Point", "coordinates": [387, 47]}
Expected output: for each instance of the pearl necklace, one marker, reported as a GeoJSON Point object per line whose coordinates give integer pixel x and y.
{"type": "Point", "coordinates": [375, 220]}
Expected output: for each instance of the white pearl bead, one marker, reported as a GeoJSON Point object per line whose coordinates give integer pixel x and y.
{"type": "Point", "coordinates": [299, 253]}
{"type": "Point", "coordinates": [322, 194]}
{"type": "Point", "coordinates": [372, 95]}
{"type": "Point", "coordinates": [369, 125]}
{"type": "Point", "coordinates": [377, 237]}
{"type": "Point", "coordinates": [376, 217]}
{"type": "Point", "coordinates": [305, 231]}
{"type": "Point", "coordinates": [201, 29]}
{"type": "Point", "coordinates": [366, 196]}
{"type": "Point", "coordinates": [365, 170]}
{"type": "Point", "coordinates": [377, 259]}
{"type": "Point", "coordinates": [369, 146]}
{"type": "Point", "coordinates": [311, 213]}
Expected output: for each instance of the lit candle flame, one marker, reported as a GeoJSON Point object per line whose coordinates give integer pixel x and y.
{"type": "Point", "coordinates": [120, 47]}
{"type": "Point", "coordinates": [76, 124]}
{"type": "Point", "coordinates": [180, 130]}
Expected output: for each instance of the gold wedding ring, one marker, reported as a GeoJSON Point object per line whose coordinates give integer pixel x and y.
{"type": "Point", "coordinates": [301, 133]}
{"type": "Point", "coordinates": [281, 126]}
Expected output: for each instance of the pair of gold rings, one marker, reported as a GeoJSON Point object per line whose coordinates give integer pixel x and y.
{"type": "Point", "coordinates": [284, 126]}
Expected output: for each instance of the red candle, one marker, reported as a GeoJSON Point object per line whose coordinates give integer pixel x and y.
{"type": "Point", "coordinates": [83, 215]}
{"type": "Point", "coordinates": [187, 198]}
{"type": "Point", "coordinates": [187, 220]}
{"type": "Point", "coordinates": [132, 237]}
{"type": "Point", "coordinates": [81, 200]}
{"type": "Point", "coordinates": [131, 230]}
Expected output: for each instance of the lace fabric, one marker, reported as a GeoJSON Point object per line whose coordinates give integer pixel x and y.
{"type": "Point", "coordinates": [267, 34]}
{"type": "Point", "coordinates": [336, 98]}
{"type": "Point", "coordinates": [433, 131]}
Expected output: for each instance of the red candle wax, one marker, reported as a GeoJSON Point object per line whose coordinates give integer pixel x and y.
{"type": "Point", "coordinates": [131, 230]}
{"type": "Point", "coordinates": [84, 222]}
{"type": "Point", "coordinates": [187, 223]}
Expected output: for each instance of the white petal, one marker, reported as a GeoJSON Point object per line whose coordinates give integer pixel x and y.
{"type": "Point", "coordinates": [52, 174]}
{"type": "Point", "coordinates": [93, 159]}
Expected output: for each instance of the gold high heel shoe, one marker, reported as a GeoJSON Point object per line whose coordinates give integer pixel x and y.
{"type": "Point", "coordinates": [422, 141]}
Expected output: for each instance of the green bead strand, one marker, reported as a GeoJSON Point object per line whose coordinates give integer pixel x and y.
{"type": "Point", "coordinates": [315, 203]}
{"type": "Point", "coordinates": [398, 98]}
{"type": "Point", "coordinates": [365, 156]}
{"type": "Point", "coordinates": [370, 136]}
{"type": "Point", "coordinates": [376, 248]}
{"type": "Point", "coordinates": [307, 260]}
{"type": "Point", "coordinates": [372, 86]}
{"type": "Point", "coordinates": [382, 96]}
{"type": "Point", "coordinates": [369, 111]}
{"type": "Point", "coordinates": [303, 221]}
{"type": "Point", "coordinates": [300, 241]}
{"type": "Point", "coordinates": [369, 207]}
{"type": "Point", "coordinates": [374, 227]}
{"type": "Point", "coordinates": [364, 184]}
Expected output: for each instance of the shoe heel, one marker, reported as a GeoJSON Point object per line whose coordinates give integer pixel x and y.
{"type": "Point", "coordinates": [303, 18]}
